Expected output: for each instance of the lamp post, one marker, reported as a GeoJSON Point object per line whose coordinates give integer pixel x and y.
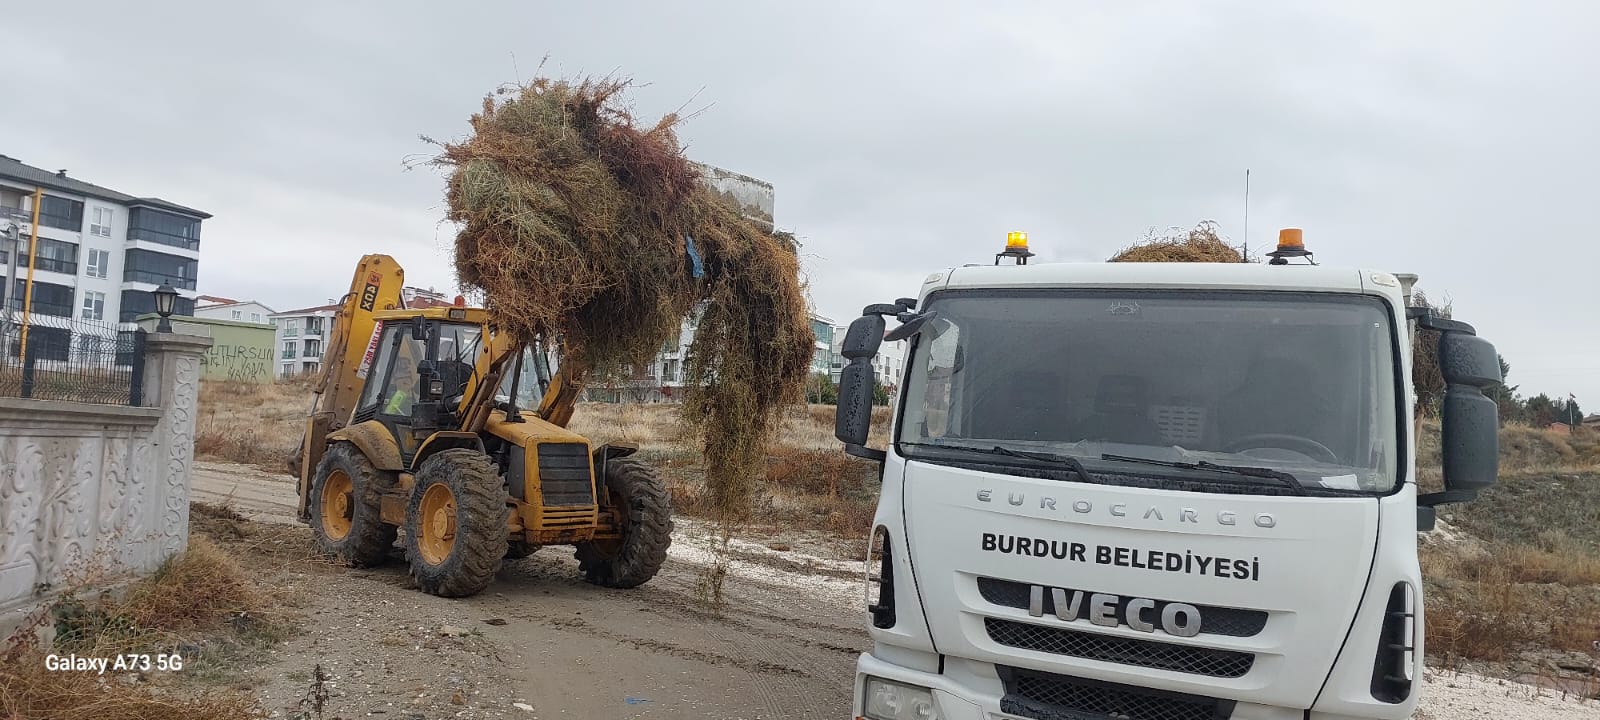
{"type": "Point", "coordinates": [166, 298]}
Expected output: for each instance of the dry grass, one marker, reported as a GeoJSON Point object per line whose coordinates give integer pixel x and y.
{"type": "Point", "coordinates": [1201, 244]}
{"type": "Point", "coordinates": [1529, 583]}
{"type": "Point", "coordinates": [30, 692]}
{"type": "Point", "coordinates": [253, 424]}
{"type": "Point", "coordinates": [200, 605]}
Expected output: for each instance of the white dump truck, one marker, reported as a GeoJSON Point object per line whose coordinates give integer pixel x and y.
{"type": "Point", "coordinates": [1156, 491]}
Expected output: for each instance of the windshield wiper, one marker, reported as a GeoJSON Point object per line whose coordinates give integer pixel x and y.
{"type": "Point", "coordinates": [1068, 461]}
{"type": "Point", "coordinates": [1286, 479]}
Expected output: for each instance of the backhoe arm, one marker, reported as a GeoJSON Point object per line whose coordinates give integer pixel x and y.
{"type": "Point", "coordinates": [375, 286]}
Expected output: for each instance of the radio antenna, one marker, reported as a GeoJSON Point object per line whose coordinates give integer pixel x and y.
{"type": "Point", "coordinates": [1246, 215]}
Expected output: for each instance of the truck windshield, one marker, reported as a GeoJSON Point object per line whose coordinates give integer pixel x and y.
{"type": "Point", "coordinates": [1301, 383]}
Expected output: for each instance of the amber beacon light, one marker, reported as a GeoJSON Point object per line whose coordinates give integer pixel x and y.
{"type": "Point", "coordinates": [1291, 243]}
{"type": "Point", "coordinates": [1016, 247]}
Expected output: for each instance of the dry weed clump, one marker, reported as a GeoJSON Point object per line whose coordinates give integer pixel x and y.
{"type": "Point", "coordinates": [1201, 244]}
{"type": "Point", "coordinates": [28, 691]}
{"type": "Point", "coordinates": [198, 590]}
{"type": "Point", "coordinates": [576, 224]}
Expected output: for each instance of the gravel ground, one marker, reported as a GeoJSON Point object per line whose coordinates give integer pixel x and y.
{"type": "Point", "coordinates": [541, 643]}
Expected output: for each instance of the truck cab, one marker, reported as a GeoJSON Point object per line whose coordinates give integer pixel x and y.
{"type": "Point", "coordinates": [1155, 490]}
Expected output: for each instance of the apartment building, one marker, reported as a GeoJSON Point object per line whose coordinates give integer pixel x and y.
{"type": "Point", "coordinates": [302, 334]}
{"type": "Point", "coordinates": [888, 366]}
{"type": "Point", "coordinates": [220, 308]}
{"type": "Point", "coordinates": [301, 337]}
{"type": "Point", "coordinates": [100, 252]}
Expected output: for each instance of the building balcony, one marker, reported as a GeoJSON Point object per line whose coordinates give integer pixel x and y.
{"type": "Point", "coordinates": [46, 264]}
{"type": "Point", "coordinates": [291, 332]}
{"type": "Point", "coordinates": [43, 308]}
{"type": "Point", "coordinates": [289, 355]}
{"type": "Point", "coordinates": [150, 278]}
{"type": "Point", "coordinates": [161, 238]}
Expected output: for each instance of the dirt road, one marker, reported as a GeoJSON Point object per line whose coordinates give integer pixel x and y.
{"type": "Point", "coordinates": [541, 643]}
{"type": "Point", "coordinates": [784, 648]}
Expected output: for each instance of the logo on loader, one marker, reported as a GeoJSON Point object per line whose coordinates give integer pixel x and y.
{"type": "Point", "coordinates": [369, 294]}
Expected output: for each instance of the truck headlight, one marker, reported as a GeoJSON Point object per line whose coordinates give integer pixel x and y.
{"type": "Point", "coordinates": [885, 700]}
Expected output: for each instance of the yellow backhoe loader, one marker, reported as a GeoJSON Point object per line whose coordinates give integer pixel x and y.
{"type": "Point", "coordinates": [432, 421]}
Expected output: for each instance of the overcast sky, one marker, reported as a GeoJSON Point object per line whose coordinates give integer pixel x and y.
{"type": "Point", "coordinates": [1456, 140]}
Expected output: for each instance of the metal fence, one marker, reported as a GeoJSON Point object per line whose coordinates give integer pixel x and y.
{"type": "Point", "coordinates": [75, 360]}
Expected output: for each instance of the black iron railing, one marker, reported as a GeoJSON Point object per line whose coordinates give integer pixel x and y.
{"type": "Point", "coordinates": [71, 360]}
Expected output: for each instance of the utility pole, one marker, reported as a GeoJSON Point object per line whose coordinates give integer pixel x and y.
{"type": "Point", "coordinates": [33, 253]}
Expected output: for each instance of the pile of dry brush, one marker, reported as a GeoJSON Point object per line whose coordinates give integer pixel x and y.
{"type": "Point", "coordinates": [1202, 244]}
{"type": "Point", "coordinates": [577, 224]}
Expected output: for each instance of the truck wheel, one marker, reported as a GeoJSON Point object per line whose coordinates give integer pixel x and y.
{"type": "Point", "coordinates": [456, 523]}
{"type": "Point", "coordinates": [646, 510]}
{"type": "Point", "coordinates": [345, 519]}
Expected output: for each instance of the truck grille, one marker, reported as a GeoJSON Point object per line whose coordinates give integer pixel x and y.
{"type": "Point", "coordinates": [564, 479]}
{"type": "Point", "coordinates": [1045, 696]}
{"type": "Point", "coordinates": [1125, 651]}
{"type": "Point", "coordinates": [1232, 622]}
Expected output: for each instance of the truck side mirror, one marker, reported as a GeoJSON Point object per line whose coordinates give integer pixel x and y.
{"type": "Point", "coordinates": [853, 415]}
{"type": "Point", "coordinates": [1470, 423]}
{"type": "Point", "coordinates": [1470, 433]}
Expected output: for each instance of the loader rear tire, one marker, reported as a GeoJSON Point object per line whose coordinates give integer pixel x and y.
{"type": "Point", "coordinates": [646, 509]}
{"type": "Point", "coordinates": [345, 512]}
{"type": "Point", "coordinates": [456, 523]}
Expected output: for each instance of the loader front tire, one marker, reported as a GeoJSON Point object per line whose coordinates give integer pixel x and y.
{"type": "Point", "coordinates": [646, 509]}
{"type": "Point", "coordinates": [345, 498]}
{"type": "Point", "coordinates": [456, 523]}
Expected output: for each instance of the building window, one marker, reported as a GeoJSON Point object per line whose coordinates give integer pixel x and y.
{"type": "Point", "coordinates": [164, 227]}
{"type": "Point", "coordinates": [288, 352]}
{"type": "Point", "coordinates": [48, 298]}
{"type": "Point", "coordinates": [101, 224]}
{"type": "Point", "coordinates": [99, 263]}
{"type": "Point", "coordinates": [238, 314]}
{"type": "Point", "coordinates": [61, 213]}
{"type": "Point", "coordinates": [144, 266]}
{"type": "Point", "coordinates": [94, 305]}
{"type": "Point", "coordinates": [255, 317]}
{"type": "Point", "coordinates": [288, 369]}
{"type": "Point", "coordinates": [54, 256]}
{"type": "Point", "coordinates": [143, 302]}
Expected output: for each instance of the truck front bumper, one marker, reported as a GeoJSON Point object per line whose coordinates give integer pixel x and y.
{"type": "Point", "coordinates": [962, 694]}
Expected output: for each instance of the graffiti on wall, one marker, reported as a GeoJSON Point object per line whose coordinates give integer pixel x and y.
{"type": "Point", "coordinates": [237, 363]}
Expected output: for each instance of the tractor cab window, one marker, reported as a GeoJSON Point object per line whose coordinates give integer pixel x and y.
{"type": "Point", "coordinates": [459, 345]}
{"type": "Point", "coordinates": [534, 380]}
{"type": "Point", "coordinates": [391, 381]}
